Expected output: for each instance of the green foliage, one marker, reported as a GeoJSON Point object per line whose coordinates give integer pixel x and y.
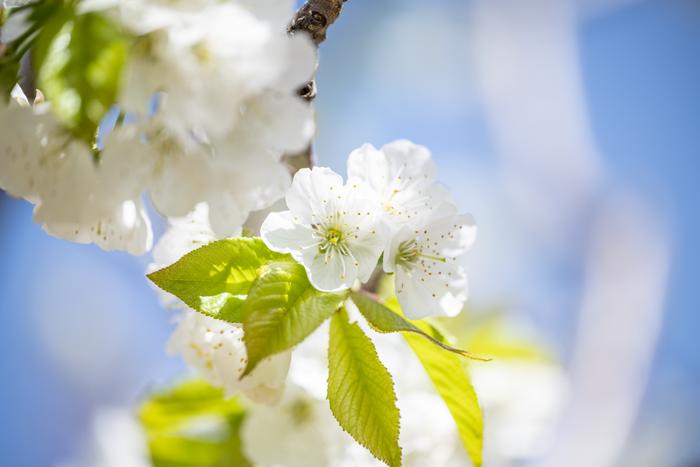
{"type": "Point", "coordinates": [385, 320]}
{"type": "Point", "coordinates": [240, 280]}
{"type": "Point", "coordinates": [35, 16]}
{"type": "Point", "coordinates": [281, 310]}
{"type": "Point", "coordinates": [361, 391]}
{"type": "Point", "coordinates": [79, 61]}
{"type": "Point", "coordinates": [216, 278]}
{"type": "Point", "coordinates": [452, 383]}
{"type": "Point", "coordinates": [173, 420]}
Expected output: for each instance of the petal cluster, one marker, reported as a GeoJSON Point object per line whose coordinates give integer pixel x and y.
{"type": "Point", "coordinates": [334, 229]}
{"type": "Point", "coordinates": [390, 207]}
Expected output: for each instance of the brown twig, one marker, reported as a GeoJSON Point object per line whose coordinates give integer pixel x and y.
{"type": "Point", "coordinates": [313, 18]}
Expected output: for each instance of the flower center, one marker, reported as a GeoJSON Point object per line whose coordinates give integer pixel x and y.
{"type": "Point", "coordinates": [332, 238]}
{"type": "Point", "coordinates": [410, 252]}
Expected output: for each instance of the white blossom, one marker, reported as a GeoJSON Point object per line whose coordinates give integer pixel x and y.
{"type": "Point", "coordinates": [333, 229]}
{"type": "Point", "coordinates": [216, 349]}
{"type": "Point", "coordinates": [78, 195]}
{"type": "Point", "coordinates": [298, 432]}
{"type": "Point", "coordinates": [427, 237]}
{"type": "Point", "coordinates": [428, 277]}
{"type": "Point", "coordinates": [402, 174]}
{"type": "Point", "coordinates": [210, 58]}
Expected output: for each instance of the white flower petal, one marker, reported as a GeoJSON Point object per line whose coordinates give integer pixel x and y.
{"type": "Point", "coordinates": [283, 234]}
{"type": "Point", "coordinates": [216, 349]}
{"type": "Point", "coordinates": [410, 160]}
{"type": "Point", "coordinates": [454, 235]}
{"type": "Point", "coordinates": [437, 289]}
{"type": "Point", "coordinates": [369, 164]}
{"type": "Point", "coordinates": [314, 192]}
{"type": "Point", "coordinates": [330, 273]}
{"type": "Point", "coordinates": [127, 229]}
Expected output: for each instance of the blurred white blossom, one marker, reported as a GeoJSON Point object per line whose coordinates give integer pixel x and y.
{"type": "Point", "coordinates": [215, 348]}
{"type": "Point", "coordinates": [116, 440]}
{"type": "Point", "coordinates": [210, 59]}
{"type": "Point", "coordinates": [76, 197]}
{"type": "Point", "coordinates": [226, 75]}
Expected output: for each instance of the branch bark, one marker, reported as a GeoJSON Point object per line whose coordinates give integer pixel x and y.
{"type": "Point", "coordinates": [313, 18]}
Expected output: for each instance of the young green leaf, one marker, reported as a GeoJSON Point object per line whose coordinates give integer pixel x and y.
{"type": "Point", "coordinates": [452, 383]}
{"type": "Point", "coordinates": [215, 278]}
{"type": "Point", "coordinates": [361, 391]}
{"type": "Point", "coordinates": [38, 18]}
{"type": "Point", "coordinates": [385, 320]}
{"type": "Point", "coordinates": [170, 421]}
{"type": "Point", "coordinates": [281, 310]}
{"type": "Point", "coordinates": [80, 58]}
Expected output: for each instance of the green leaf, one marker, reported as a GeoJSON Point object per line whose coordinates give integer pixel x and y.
{"type": "Point", "coordinates": [216, 278]}
{"type": "Point", "coordinates": [80, 58]}
{"type": "Point", "coordinates": [281, 310]}
{"type": "Point", "coordinates": [173, 420]}
{"type": "Point", "coordinates": [36, 18]}
{"type": "Point", "coordinates": [382, 319]}
{"type": "Point", "coordinates": [361, 391]}
{"type": "Point", "coordinates": [452, 382]}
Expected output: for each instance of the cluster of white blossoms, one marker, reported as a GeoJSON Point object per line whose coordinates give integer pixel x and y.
{"type": "Point", "coordinates": [390, 207]}
{"type": "Point", "coordinates": [209, 88]}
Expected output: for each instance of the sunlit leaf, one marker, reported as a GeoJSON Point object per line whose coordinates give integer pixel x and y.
{"type": "Point", "coordinates": [216, 278]}
{"type": "Point", "coordinates": [281, 310]}
{"type": "Point", "coordinates": [361, 391]}
{"type": "Point", "coordinates": [34, 20]}
{"type": "Point", "coordinates": [79, 62]}
{"type": "Point", "coordinates": [385, 320]}
{"type": "Point", "coordinates": [452, 382]}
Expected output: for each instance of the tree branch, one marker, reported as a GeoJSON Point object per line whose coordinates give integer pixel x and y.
{"type": "Point", "coordinates": [313, 18]}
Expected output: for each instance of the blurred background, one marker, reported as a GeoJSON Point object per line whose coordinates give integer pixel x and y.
{"type": "Point", "coordinates": [569, 128]}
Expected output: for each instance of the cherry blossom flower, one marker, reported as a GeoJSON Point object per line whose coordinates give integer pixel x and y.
{"type": "Point", "coordinates": [402, 174]}
{"type": "Point", "coordinates": [207, 69]}
{"type": "Point", "coordinates": [77, 197]}
{"type": "Point", "coordinates": [335, 230]}
{"type": "Point", "coordinates": [429, 280]}
{"type": "Point", "coordinates": [216, 349]}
